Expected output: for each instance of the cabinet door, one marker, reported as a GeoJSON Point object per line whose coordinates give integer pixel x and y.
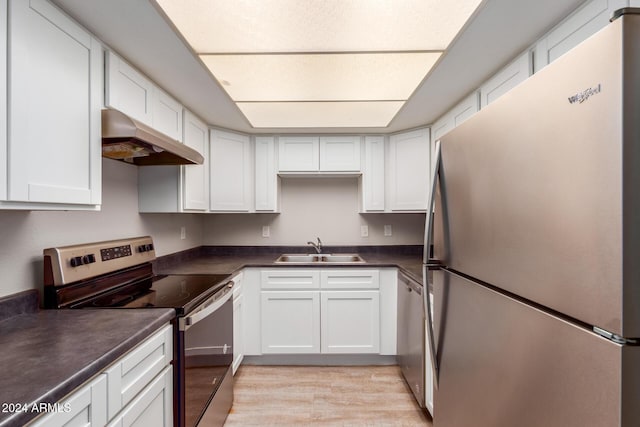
{"type": "Point", "coordinates": [266, 174]}
{"type": "Point", "coordinates": [350, 321]}
{"type": "Point", "coordinates": [55, 74]}
{"type": "Point", "coordinates": [340, 153]}
{"type": "Point", "coordinates": [3, 99]}
{"type": "Point", "coordinates": [349, 279]}
{"type": "Point", "coordinates": [166, 114]}
{"type": "Point", "coordinates": [298, 154]}
{"type": "Point", "coordinates": [152, 407]}
{"type": "Point", "coordinates": [373, 174]}
{"type": "Point", "coordinates": [290, 278]}
{"type": "Point", "coordinates": [127, 90]}
{"type": "Point", "coordinates": [506, 79]}
{"type": "Point", "coordinates": [195, 186]}
{"type": "Point", "coordinates": [456, 116]}
{"type": "Point", "coordinates": [584, 22]}
{"type": "Point", "coordinates": [409, 170]}
{"type": "Point", "coordinates": [290, 322]}
{"type": "Point", "coordinates": [238, 331]}
{"type": "Point", "coordinates": [231, 172]}
{"type": "Point", "coordinates": [131, 374]}
{"type": "Point", "coordinates": [85, 407]}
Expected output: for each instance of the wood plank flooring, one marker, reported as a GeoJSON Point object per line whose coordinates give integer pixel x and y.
{"type": "Point", "coordinates": [323, 396]}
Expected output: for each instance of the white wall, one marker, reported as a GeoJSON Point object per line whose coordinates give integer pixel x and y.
{"type": "Point", "coordinates": [314, 207]}
{"type": "Point", "coordinates": [23, 235]}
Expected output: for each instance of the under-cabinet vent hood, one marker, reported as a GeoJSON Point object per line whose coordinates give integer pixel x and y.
{"type": "Point", "coordinates": [126, 139]}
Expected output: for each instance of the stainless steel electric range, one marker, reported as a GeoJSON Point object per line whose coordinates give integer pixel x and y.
{"type": "Point", "coordinates": [119, 273]}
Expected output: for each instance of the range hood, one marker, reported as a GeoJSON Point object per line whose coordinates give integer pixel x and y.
{"type": "Point", "coordinates": [128, 140]}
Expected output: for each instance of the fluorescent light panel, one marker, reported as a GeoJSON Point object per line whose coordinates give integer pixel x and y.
{"type": "Point", "coordinates": [320, 114]}
{"type": "Point", "coordinates": [270, 51]}
{"type": "Point", "coordinates": [316, 77]}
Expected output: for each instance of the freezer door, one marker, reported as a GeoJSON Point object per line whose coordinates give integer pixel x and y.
{"type": "Point", "coordinates": [505, 364]}
{"type": "Point", "coordinates": [542, 188]}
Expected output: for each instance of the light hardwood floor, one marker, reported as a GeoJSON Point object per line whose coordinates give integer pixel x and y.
{"type": "Point", "coordinates": [323, 396]}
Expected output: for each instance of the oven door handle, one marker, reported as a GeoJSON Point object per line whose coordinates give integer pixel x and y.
{"type": "Point", "coordinates": [208, 307]}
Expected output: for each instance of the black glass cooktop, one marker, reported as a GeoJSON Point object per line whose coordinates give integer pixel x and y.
{"type": "Point", "coordinates": [182, 292]}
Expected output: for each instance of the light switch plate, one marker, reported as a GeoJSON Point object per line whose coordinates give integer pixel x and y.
{"type": "Point", "coordinates": [388, 231]}
{"type": "Point", "coordinates": [266, 231]}
{"type": "Point", "coordinates": [183, 232]}
{"type": "Point", "coordinates": [364, 231]}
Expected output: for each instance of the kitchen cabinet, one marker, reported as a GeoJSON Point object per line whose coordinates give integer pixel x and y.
{"type": "Point", "coordinates": [195, 184]}
{"type": "Point", "coordinates": [238, 322]}
{"type": "Point", "coordinates": [290, 311]}
{"type": "Point", "coordinates": [166, 114]}
{"type": "Point", "coordinates": [267, 182]}
{"type": "Point", "coordinates": [350, 319]}
{"type": "Point", "coordinates": [319, 154]}
{"type": "Point", "coordinates": [137, 389]}
{"type": "Point", "coordinates": [586, 21]}
{"type": "Point", "coordinates": [408, 164]}
{"type": "Point", "coordinates": [129, 91]}
{"type": "Point", "coordinates": [231, 172]}
{"type": "Point", "coordinates": [51, 153]}
{"type": "Point", "coordinates": [86, 407]}
{"type": "Point", "coordinates": [456, 116]}
{"type": "Point", "coordinates": [506, 79]}
{"type": "Point", "coordinates": [323, 311]}
{"type": "Point", "coordinates": [372, 182]}
{"type": "Point", "coordinates": [172, 188]}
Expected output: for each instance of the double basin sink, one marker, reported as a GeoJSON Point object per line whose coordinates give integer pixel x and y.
{"type": "Point", "coordinates": [320, 258]}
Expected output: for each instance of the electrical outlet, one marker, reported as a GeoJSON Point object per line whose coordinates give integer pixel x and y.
{"type": "Point", "coordinates": [387, 230]}
{"type": "Point", "coordinates": [266, 231]}
{"type": "Point", "coordinates": [183, 232]}
{"type": "Point", "coordinates": [364, 231]}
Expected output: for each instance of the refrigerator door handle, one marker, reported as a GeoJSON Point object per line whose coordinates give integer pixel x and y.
{"type": "Point", "coordinates": [428, 232]}
{"type": "Point", "coordinates": [425, 269]}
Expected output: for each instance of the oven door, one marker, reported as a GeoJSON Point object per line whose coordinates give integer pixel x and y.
{"type": "Point", "coordinates": [206, 357]}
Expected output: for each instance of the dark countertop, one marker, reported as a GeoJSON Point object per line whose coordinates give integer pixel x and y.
{"type": "Point", "coordinates": [221, 260]}
{"type": "Point", "coordinates": [48, 353]}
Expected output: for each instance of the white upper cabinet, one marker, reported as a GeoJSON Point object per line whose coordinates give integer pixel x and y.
{"type": "Point", "coordinates": [127, 90]}
{"type": "Point", "coordinates": [167, 115]}
{"type": "Point", "coordinates": [372, 181]}
{"type": "Point", "coordinates": [408, 170]}
{"type": "Point", "coordinates": [231, 172]}
{"type": "Point", "coordinates": [298, 153]}
{"type": "Point", "coordinates": [319, 154]}
{"type": "Point", "coordinates": [340, 153]}
{"type": "Point", "coordinates": [52, 154]}
{"type": "Point", "coordinates": [266, 179]}
{"type": "Point", "coordinates": [456, 116]}
{"type": "Point", "coordinates": [584, 22]}
{"type": "Point", "coordinates": [196, 177]}
{"type": "Point", "coordinates": [506, 79]}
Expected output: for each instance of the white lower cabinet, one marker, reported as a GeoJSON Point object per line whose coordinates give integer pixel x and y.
{"type": "Point", "coordinates": [85, 407]}
{"type": "Point", "coordinates": [325, 311]}
{"type": "Point", "coordinates": [136, 390]}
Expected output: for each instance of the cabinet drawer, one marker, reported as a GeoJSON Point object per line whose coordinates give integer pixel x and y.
{"type": "Point", "coordinates": [350, 279]}
{"type": "Point", "coordinates": [85, 407]}
{"type": "Point", "coordinates": [130, 375]}
{"type": "Point", "coordinates": [153, 406]}
{"type": "Point", "coordinates": [290, 279]}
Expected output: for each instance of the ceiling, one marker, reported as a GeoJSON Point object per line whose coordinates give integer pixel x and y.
{"type": "Point", "coordinates": [500, 30]}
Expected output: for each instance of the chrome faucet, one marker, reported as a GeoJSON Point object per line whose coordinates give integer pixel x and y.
{"type": "Point", "coordinates": [316, 246]}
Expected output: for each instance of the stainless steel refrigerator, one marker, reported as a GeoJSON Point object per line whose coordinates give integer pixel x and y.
{"type": "Point", "coordinates": [537, 230]}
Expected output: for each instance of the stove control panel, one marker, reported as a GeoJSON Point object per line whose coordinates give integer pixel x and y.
{"type": "Point", "coordinates": [68, 264]}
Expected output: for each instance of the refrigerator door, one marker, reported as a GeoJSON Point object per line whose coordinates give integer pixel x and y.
{"type": "Point", "coordinates": [505, 364]}
{"type": "Point", "coordinates": [542, 188]}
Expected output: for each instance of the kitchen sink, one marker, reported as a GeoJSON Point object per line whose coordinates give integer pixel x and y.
{"type": "Point", "coordinates": [320, 258]}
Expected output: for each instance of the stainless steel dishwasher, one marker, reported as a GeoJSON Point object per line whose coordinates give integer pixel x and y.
{"type": "Point", "coordinates": [411, 338]}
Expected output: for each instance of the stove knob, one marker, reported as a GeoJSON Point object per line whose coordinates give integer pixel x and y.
{"type": "Point", "coordinates": [76, 261]}
{"type": "Point", "coordinates": [150, 247]}
{"type": "Point", "coordinates": [142, 248]}
{"type": "Point", "coordinates": [92, 258]}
